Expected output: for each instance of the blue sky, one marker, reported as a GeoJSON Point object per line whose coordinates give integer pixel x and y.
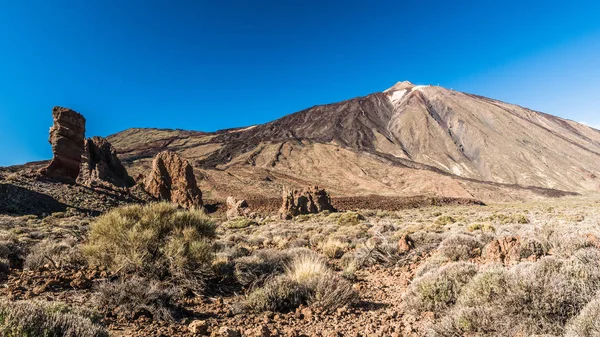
{"type": "Point", "coordinates": [207, 65]}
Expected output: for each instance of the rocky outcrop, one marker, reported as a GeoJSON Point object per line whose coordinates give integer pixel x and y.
{"type": "Point", "coordinates": [237, 208]}
{"type": "Point", "coordinates": [172, 178]}
{"type": "Point", "coordinates": [100, 166]}
{"type": "Point", "coordinates": [512, 249]}
{"type": "Point", "coordinates": [306, 201]}
{"type": "Point", "coordinates": [67, 139]}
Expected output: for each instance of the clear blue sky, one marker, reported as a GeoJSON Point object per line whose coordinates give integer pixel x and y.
{"type": "Point", "coordinates": [207, 65]}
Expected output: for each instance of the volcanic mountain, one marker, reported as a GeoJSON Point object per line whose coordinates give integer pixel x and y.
{"type": "Point", "coordinates": [406, 140]}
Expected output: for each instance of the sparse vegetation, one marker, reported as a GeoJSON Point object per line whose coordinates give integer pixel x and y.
{"type": "Point", "coordinates": [39, 319]}
{"type": "Point", "coordinates": [307, 281]}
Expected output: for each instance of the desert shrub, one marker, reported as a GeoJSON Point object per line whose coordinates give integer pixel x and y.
{"type": "Point", "coordinates": [239, 223]}
{"type": "Point", "coordinates": [307, 281]}
{"type": "Point", "coordinates": [156, 240]}
{"type": "Point", "coordinates": [137, 296]}
{"type": "Point", "coordinates": [377, 250]}
{"type": "Point", "coordinates": [39, 319]}
{"type": "Point", "coordinates": [12, 252]}
{"type": "Point", "coordinates": [460, 247]}
{"type": "Point", "coordinates": [432, 263]}
{"type": "Point", "coordinates": [60, 254]}
{"type": "Point", "coordinates": [528, 299]}
{"type": "Point", "coordinates": [445, 220]}
{"type": "Point", "coordinates": [439, 289]}
{"type": "Point", "coordinates": [349, 219]}
{"type": "Point", "coordinates": [486, 227]}
{"type": "Point", "coordinates": [334, 248]}
{"type": "Point", "coordinates": [253, 270]}
{"type": "Point", "coordinates": [507, 219]}
{"type": "Point", "coordinates": [587, 323]}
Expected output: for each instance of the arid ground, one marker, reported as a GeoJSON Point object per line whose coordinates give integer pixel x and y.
{"type": "Point", "coordinates": [516, 269]}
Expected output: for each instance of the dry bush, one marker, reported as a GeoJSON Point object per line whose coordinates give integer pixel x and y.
{"type": "Point", "coordinates": [587, 323]}
{"type": "Point", "coordinates": [528, 299]}
{"type": "Point", "coordinates": [12, 252]}
{"type": "Point", "coordinates": [253, 270]}
{"type": "Point", "coordinates": [39, 319]}
{"type": "Point", "coordinates": [349, 219]}
{"type": "Point", "coordinates": [439, 289]}
{"type": "Point", "coordinates": [60, 254]}
{"type": "Point", "coordinates": [460, 247]}
{"type": "Point", "coordinates": [334, 248]}
{"type": "Point", "coordinates": [306, 281]}
{"type": "Point", "coordinates": [137, 296]}
{"type": "Point", "coordinates": [156, 240]}
{"type": "Point", "coordinates": [372, 252]}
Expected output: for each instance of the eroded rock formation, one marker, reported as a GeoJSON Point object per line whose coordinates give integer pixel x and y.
{"type": "Point", "coordinates": [237, 208]}
{"type": "Point", "coordinates": [67, 139]}
{"type": "Point", "coordinates": [305, 201]}
{"type": "Point", "coordinates": [100, 165]}
{"type": "Point", "coordinates": [172, 178]}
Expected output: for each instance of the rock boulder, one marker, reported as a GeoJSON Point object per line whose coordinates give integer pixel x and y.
{"type": "Point", "coordinates": [237, 208]}
{"type": "Point", "coordinates": [100, 165]}
{"type": "Point", "coordinates": [67, 139]}
{"type": "Point", "coordinates": [172, 178]}
{"type": "Point", "coordinates": [305, 201]}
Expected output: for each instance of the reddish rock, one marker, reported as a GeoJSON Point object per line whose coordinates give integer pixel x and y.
{"type": "Point", "coordinates": [198, 328]}
{"type": "Point", "coordinates": [67, 139]}
{"type": "Point", "coordinates": [505, 250]}
{"type": "Point", "coordinates": [172, 179]}
{"type": "Point", "coordinates": [306, 201]}
{"type": "Point", "coordinates": [236, 208]}
{"type": "Point", "coordinates": [405, 244]}
{"type": "Point", "coordinates": [100, 165]}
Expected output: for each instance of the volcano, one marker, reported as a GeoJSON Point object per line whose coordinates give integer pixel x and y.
{"type": "Point", "coordinates": [407, 140]}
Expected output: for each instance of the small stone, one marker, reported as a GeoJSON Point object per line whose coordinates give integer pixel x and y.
{"type": "Point", "coordinates": [198, 327]}
{"type": "Point", "coordinates": [229, 332]}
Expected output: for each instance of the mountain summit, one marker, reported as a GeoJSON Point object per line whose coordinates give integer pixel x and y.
{"type": "Point", "coordinates": [409, 139]}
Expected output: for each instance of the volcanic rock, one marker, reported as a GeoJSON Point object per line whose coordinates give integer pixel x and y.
{"type": "Point", "coordinates": [306, 201]}
{"type": "Point", "coordinates": [236, 208]}
{"type": "Point", "coordinates": [172, 178]}
{"type": "Point", "coordinates": [100, 165]}
{"type": "Point", "coordinates": [67, 139]}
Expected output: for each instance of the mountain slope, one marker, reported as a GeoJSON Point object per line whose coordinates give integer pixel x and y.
{"type": "Point", "coordinates": [406, 140]}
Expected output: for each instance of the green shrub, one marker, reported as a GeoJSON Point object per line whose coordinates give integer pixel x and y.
{"type": "Point", "coordinates": [445, 220]}
{"type": "Point", "coordinates": [156, 240]}
{"type": "Point", "coordinates": [439, 289]}
{"type": "Point", "coordinates": [349, 219]}
{"type": "Point", "coordinates": [137, 296]}
{"type": "Point", "coordinates": [39, 319]}
{"type": "Point", "coordinates": [239, 223]}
